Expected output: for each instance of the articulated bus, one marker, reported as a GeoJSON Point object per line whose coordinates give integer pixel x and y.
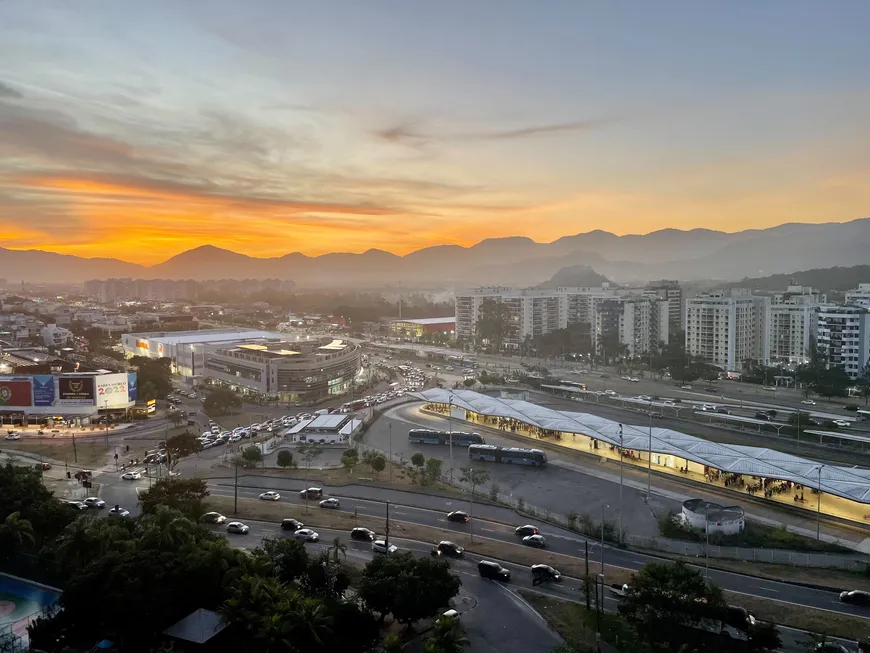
{"type": "Point", "coordinates": [573, 384]}
{"type": "Point", "coordinates": [428, 436]}
{"type": "Point", "coordinates": [863, 415]}
{"type": "Point", "coordinates": [509, 455]}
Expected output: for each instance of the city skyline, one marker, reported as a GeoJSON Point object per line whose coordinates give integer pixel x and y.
{"type": "Point", "coordinates": [270, 129]}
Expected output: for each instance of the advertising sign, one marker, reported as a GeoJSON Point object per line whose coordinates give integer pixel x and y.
{"type": "Point", "coordinates": [132, 387]}
{"type": "Point", "coordinates": [15, 393]}
{"type": "Point", "coordinates": [112, 391]}
{"type": "Point", "coordinates": [75, 391]}
{"type": "Point", "coordinates": [142, 344]}
{"type": "Point", "coordinates": [43, 390]}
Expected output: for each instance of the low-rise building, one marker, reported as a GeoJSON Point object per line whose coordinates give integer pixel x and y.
{"type": "Point", "coordinates": [423, 326]}
{"type": "Point", "coordinates": [55, 336]}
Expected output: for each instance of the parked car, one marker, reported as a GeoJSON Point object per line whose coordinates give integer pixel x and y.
{"type": "Point", "coordinates": [213, 518]}
{"type": "Point", "coordinates": [457, 516]}
{"type": "Point", "coordinates": [271, 495]}
{"type": "Point", "coordinates": [291, 525]}
{"type": "Point", "coordinates": [493, 570]}
{"type": "Point", "coordinates": [238, 527]}
{"type": "Point", "coordinates": [450, 549]}
{"type": "Point", "coordinates": [545, 574]}
{"type": "Point", "coordinates": [307, 535]}
{"type": "Point", "coordinates": [363, 534]}
{"type": "Point", "coordinates": [380, 546]}
{"type": "Point", "coordinates": [525, 530]}
{"type": "Point", "coordinates": [332, 502]}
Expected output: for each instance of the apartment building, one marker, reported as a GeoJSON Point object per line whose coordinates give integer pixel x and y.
{"type": "Point", "coordinates": [726, 328]}
{"type": "Point", "coordinates": [670, 291]}
{"type": "Point", "coordinates": [844, 337]}
{"type": "Point", "coordinates": [639, 324]}
{"type": "Point", "coordinates": [792, 324]}
{"type": "Point", "coordinates": [860, 296]}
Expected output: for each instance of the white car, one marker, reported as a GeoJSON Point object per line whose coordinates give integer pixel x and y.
{"type": "Point", "coordinates": [238, 528]}
{"type": "Point", "coordinates": [306, 535]}
{"type": "Point", "coordinates": [256, 427]}
{"type": "Point", "coordinates": [808, 402]}
{"type": "Point", "coordinates": [610, 393]}
{"type": "Point", "coordinates": [77, 505]}
{"type": "Point", "coordinates": [12, 436]}
{"type": "Point", "coordinates": [330, 503]}
{"type": "Point", "coordinates": [234, 438]}
{"type": "Point", "coordinates": [843, 423]}
{"type": "Point", "coordinates": [270, 496]}
{"type": "Point", "coordinates": [131, 476]}
{"type": "Point", "coordinates": [708, 407]}
{"type": "Point", "coordinates": [118, 511]}
{"type": "Point", "coordinates": [379, 546]}
{"type": "Point", "coordinates": [685, 387]}
{"type": "Point", "coordinates": [94, 502]}
{"type": "Point", "coordinates": [535, 540]}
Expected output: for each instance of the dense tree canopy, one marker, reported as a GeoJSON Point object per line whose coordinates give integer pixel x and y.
{"type": "Point", "coordinates": [221, 401]}
{"type": "Point", "coordinates": [154, 376]}
{"type": "Point", "coordinates": [185, 495]}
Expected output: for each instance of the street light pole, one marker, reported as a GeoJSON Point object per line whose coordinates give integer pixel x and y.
{"type": "Point", "coordinates": [450, 428]}
{"type": "Point", "coordinates": [706, 544]}
{"type": "Point", "coordinates": [819, 507]}
{"type": "Point", "coordinates": [649, 456]}
{"type": "Point", "coordinates": [619, 536]}
{"type": "Point", "coordinates": [390, 427]}
{"type": "Point", "coordinates": [602, 538]}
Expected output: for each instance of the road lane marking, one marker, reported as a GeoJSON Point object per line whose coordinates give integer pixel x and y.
{"type": "Point", "coordinates": [768, 589]}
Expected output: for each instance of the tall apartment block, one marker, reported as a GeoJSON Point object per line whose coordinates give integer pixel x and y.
{"type": "Point", "coordinates": [639, 323]}
{"type": "Point", "coordinates": [726, 328]}
{"type": "Point", "coordinates": [860, 296]}
{"type": "Point", "coordinates": [671, 292]}
{"type": "Point", "coordinates": [792, 324]}
{"type": "Point", "coordinates": [844, 337]}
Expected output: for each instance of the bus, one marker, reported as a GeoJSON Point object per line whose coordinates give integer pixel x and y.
{"type": "Point", "coordinates": [429, 436]}
{"type": "Point", "coordinates": [573, 384]}
{"type": "Point", "coordinates": [509, 455]}
{"type": "Point", "coordinates": [863, 415]}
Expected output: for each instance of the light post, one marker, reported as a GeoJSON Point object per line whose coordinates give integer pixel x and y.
{"type": "Point", "coordinates": [106, 417]}
{"type": "Point", "coordinates": [619, 538]}
{"type": "Point", "coordinates": [603, 506]}
{"type": "Point", "coordinates": [819, 507]}
{"type": "Point", "coordinates": [390, 427]}
{"type": "Point", "coordinates": [649, 456]}
{"type": "Point", "coordinates": [706, 544]}
{"type": "Point", "coordinates": [450, 429]}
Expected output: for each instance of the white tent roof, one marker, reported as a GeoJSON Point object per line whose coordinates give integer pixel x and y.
{"type": "Point", "coordinates": [847, 482]}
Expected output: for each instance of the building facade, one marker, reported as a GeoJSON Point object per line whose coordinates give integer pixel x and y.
{"type": "Point", "coordinates": [844, 337]}
{"type": "Point", "coordinates": [792, 321]}
{"type": "Point", "coordinates": [726, 328]}
{"type": "Point", "coordinates": [671, 292]}
{"type": "Point", "coordinates": [860, 296]}
{"type": "Point", "coordinates": [637, 324]}
{"type": "Point", "coordinates": [424, 326]}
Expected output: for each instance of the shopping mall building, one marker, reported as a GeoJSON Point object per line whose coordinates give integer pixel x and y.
{"type": "Point", "coordinates": [289, 368]}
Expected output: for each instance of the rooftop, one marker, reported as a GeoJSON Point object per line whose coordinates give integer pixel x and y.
{"type": "Point", "coordinates": [215, 336]}
{"type": "Point", "coordinates": [429, 320]}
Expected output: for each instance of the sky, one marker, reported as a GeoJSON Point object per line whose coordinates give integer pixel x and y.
{"type": "Point", "coordinates": [140, 130]}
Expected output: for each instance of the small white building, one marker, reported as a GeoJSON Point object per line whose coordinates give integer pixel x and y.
{"type": "Point", "coordinates": [324, 429]}
{"type": "Point", "coordinates": [704, 515]}
{"type": "Point", "coordinates": [55, 336]}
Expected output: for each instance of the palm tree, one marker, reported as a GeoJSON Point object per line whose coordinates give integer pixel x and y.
{"type": "Point", "coordinates": [447, 637]}
{"type": "Point", "coordinates": [16, 534]}
{"type": "Point", "coordinates": [309, 622]}
{"type": "Point", "coordinates": [391, 643]}
{"type": "Point", "coordinates": [337, 550]}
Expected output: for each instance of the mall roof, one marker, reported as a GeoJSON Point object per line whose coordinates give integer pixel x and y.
{"type": "Point", "coordinates": [428, 320]}
{"type": "Point", "coordinates": [197, 337]}
{"type": "Point", "coordinates": [847, 482]}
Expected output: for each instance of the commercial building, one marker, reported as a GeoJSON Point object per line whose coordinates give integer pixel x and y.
{"type": "Point", "coordinates": [423, 327]}
{"type": "Point", "coordinates": [304, 368]}
{"type": "Point", "coordinates": [844, 337]}
{"type": "Point", "coordinates": [65, 395]}
{"type": "Point", "coordinates": [792, 324]}
{"type": "Point", "coordinates": [55, 336]}
{"type": "Point", "coordinates": [728, 327]}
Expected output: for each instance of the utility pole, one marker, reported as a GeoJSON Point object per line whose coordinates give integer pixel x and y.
{"type": "Point", "coordinates": [387, 531]}
{"type": "Point", "coordinates": [450, 427]}
{"type": "Point", "coordinates": [471, 511]}
{"type": "Point", "coordinates": [602, 538]}
{"type": "Point", "coordinates": [649, 456]}
{"type": "Point", "coordinates": [819, 507]}
{"type": "Point", "coordinates": [390, 427]}
{"type": "Point", "coordinates": [619, 536]}
{"type": "Point", "coordinates": [236, 491]}
{"type": "Point", "coordinates": [588, 607]}
{"type": "Point", "coordinates": [706, 544]}
{"type": "Point", "coordinates": [75, 455]}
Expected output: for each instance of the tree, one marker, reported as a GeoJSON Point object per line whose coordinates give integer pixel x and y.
{"type": "Point", "coordinates": [285, 458]}
{"type": "Point", "coordinates": [469, 382]}
{"type": "Point", "coordinates": [863, 382]}
{"type": "Point", "coordinates": [288, 557]}
{"type": "Point", "coordinates": [252, 455]}
{"type": "Point", "coordinates": [392, 585]}
{"type": "Point", "coordinates": [186, 495]}
{"type": "Point", "coordinates": [664, 598]}
{"type": "Point", "coordinates": [349, 459]}
{"type": "Point", "coordinates": [379, 464]}
{"type": "Point", "coordinates": [418, 460]}
{"type": "Point", "coordinates": [22, 492]}
{"type": "Point", "coordinates": [153, 375]}
{"type": "Point", "coordinates": [309, 453]}
{"type": "Point", "coordinates": [176, 418]}
{"type": "Point", "coordinates": [221, 401]}
{"type": "Point", "coordinates": [493, 323]}
{"type": "Point", "coordinates": [338, 550]}
{"type": "Point", "coordinates": [433, 470]}
{"type": "Point", "coordinates": [474, 477]}
{"type": "Point", "coordinates": [16, 535]}
{"type": "Point", "coordinates": [447, 637]}
{"type": "Point", "coordinates": [183, 444]}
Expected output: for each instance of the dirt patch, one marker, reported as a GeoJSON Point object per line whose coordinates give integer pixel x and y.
{"type": "Point", "coordinates": [334, 519]}
{"type": "Point", "coordinates": [89, 453]}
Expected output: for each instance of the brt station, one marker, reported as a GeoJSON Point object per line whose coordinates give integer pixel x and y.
{"type": "Point", "coordinates": [763, 473]}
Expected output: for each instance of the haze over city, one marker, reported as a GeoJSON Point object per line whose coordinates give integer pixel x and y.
{"type": "Point", "coordinates": [140, 131]}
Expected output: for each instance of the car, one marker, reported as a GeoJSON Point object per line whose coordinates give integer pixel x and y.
{"type": "Point", "coordinates": [94, 502]}
{"type": "Point", "coordinates": [855, 597]}
{"type": "Point", "coordinates": [457, 516]}
{"type": "Point", "coordinates": [77, 505]}
{"type": "Point", "coordinates": [12, 436]}
{"type": "Point", "coordinates": [291, 525]}
{"type": "Point", "coordinates": [213, 518]}
{"type": "Point", "coordinates": [493, 571]}
{"type": "Point", "coordinates": [808, 402]}
{"type": "Point", "coordinates": [332, 502]}
{"type": "Point", "coordinates": [363, 534]}
{"type": "Point", "coordinates": [311, 493]}
{"type": "Point", "coordinates": [238, 528]}
{"type": "Point", "coordinates": [723, 411]}
{"type": "Point", "coordinates": [843, 423]}
{"type": "Point", "coordinates": [271, 495]}
{"type": "Point", "coordinates": [535, 540]}
{"type": "Point", "coordinates": [131, 476]}
{"type": "Point", "coordinates": [118, 511]}
{"type": "Point", "coordinates": [449, 549]}
{"type": "Point", "coordinates": [42, 467]}
{"type": "Point", "coordinates": [380, 546]}
{"type": "Point", "coordinates": [764, 417]}
{"type": "Point", "coordinates": [610, 393]}
{"type": "Point", "coordinates": [643, 398]}
{"type": "Point", "coordinates": [708, 407]}
{"type": "Point", "coordinates": [545, 574]}
{"type": "Point", "coordinates": [449, 614]}
{"type": "Point", "coordinates": [685, 387]}
{"type": "Point", "coordinates": [306, 535]}
{"type": "Point", "coordinates": [527, 529]}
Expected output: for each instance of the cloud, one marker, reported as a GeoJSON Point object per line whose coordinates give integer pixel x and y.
{"type": "Point", "coordinates": [408, 132]}
{"type": "Point", "coordinates": [9, 92]}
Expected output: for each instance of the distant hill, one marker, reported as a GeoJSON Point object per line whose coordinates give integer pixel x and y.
{"type": "Point", "coordinates": [695, 255]}
{"type": "Point", "coordinates": [575, 276]}
{"type": "Point", "coordinates": [823, 279]}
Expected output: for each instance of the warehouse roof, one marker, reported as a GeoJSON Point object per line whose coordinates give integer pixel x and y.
{"type": "Point", "coordinates": [847, 482]}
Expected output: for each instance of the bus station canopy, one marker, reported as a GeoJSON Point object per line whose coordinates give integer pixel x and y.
{"type": "Point", "coordinates": [846, 482]}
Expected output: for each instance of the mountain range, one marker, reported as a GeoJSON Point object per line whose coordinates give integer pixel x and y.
{"type": "Point", "coordinates": [517, 261]}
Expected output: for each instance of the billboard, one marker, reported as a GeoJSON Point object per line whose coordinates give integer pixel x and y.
{"type": "Point", "coordinates": [132, 387]}
{"type": "Point", "coordinates": [15, 392]}
{"type": "Point", "coordinates": [75, 391]}
{"type": "Point", "coordinates": [112, 391]}
{"type": "Point", "coordinates": [43, 390]}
